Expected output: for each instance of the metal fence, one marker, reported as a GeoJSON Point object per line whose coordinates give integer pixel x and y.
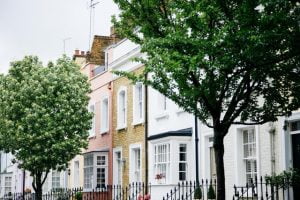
{"type": "Point", "coordinates": [264, 189]}
{"type": "Point", "coordinates": [133, 191]}
{"type": "Point", "coordinates": [186, 190]}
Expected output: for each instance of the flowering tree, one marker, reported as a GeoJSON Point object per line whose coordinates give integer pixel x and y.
{"type": "Point", "coordinates": [43, 115]}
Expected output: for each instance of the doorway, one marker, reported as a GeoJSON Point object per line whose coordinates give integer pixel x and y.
{"type": "Point", "coordinates": [296, 160]}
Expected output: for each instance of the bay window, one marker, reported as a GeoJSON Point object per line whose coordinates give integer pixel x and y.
{"type": "Point", "coordinates": [161, 162]}
{"type": "Point", "coordinates": [95, 170]}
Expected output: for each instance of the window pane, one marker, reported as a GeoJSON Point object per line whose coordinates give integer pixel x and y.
{"type": "Point", "coordinates": [295, 126]}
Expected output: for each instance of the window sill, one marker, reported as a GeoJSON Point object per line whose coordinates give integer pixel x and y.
{"type": "Point", "coordinates": [137, 122]}
{"type": "Point", "coordinates": [179, 111]}
{"type": "Point", "coordinates": [163, 115]}
{"type": "Point", "coordinates": [92, 136]}
{"type": "Point", "coordinates": [119, 128]}
{"type": "Point", "coordinates": [103, 132]}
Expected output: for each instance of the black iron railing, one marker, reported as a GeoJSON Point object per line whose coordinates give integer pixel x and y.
{"type": "Point", "coordinates": [133, 191]}
{"type": "Point", "coordinates": [186, 190]}
{"type": "Point", "coordinates": [264, 189]}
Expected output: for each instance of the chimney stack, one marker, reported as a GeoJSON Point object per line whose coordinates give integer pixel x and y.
{"type": "Point", "coordinates": [76, 52]}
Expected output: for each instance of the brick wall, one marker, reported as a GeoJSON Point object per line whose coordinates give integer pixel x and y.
{"type": "Point", "coordinates": [130, 135]}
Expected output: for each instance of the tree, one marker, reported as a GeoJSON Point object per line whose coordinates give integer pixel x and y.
{"type": "Point", "coordinates": [226, 61]}
{"type": "Point", "coordinates": [43, 115]}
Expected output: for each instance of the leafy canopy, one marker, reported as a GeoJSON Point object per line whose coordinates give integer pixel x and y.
{"type": "Point", "coordinates": [232, 61]}
{"type": "Point", "coordinates": [43, 113]}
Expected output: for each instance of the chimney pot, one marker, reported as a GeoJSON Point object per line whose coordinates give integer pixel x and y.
{"type": "Point", "coordinates": [76, 52]}
{"type": "Point", "coordinates": [82, 53]}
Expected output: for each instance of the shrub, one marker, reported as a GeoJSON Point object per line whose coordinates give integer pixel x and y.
{"type": "Point", "coordinates": [78, 196]}
{"type": "Point", "coordinates": [211, 193]}
{"type": "Point", "coordinates": [198, 193]}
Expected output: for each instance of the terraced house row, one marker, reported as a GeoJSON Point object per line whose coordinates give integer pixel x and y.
{"type": "Point", "coordinates": [138, 135]}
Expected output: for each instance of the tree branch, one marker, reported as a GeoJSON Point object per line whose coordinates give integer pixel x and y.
{"type": "Point", "coordinates": [44, 179]}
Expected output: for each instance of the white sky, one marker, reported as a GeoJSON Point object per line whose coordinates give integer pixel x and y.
{"type": "Point", "coordinates": [38, 27]}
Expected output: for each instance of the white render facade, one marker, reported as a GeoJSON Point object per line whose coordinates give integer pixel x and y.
{"type": "Point", "coordinates": [171, 144]}
{"type": "Point", "coordinates": [256, 150]}
{"type": "Point", "coordinates": [11, 178]}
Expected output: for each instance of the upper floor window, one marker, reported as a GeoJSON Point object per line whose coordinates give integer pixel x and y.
{"type": "Point", "coordinates": [249, 144]}
{"type": "Point", "coordinates": [122, 109]}
{"type": "Point", "coordinates": [162, 102]}
{"type": "Point", "coordinates": [92, 110]}
{"type": "Point", "coordinates": [138, 102]}
{"type": "Point", "coordinates": [104, 116]}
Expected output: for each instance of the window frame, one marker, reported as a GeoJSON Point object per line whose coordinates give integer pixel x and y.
{"type": "Point", "coordinates": [7, 188]}
{"type": "Point", "coordinates": [251, 145]}
{"type": "Point", "coordinates": [138, 103]}
{"type": "Point", "coordinates": [92, 131]}
{"type": "Point", "coordinates": [183, 162]}
{"type": "Point", "coordinates": [104, 129]}
{"type": "Point", "coordinates": [162, 160]}
{"type": "Point", "coordinates": [55, 180]}
{"type": "Point", "coordinates": [93, 178]}
{"type": "Point", "coordinates": [122, 125]}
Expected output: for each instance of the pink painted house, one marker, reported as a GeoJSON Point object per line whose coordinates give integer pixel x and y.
{"type": "Point", "coordinates": [97, 158]}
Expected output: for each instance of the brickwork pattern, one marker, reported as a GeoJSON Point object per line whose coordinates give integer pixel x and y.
{"type": "Point", "coordinates": [132, 134]}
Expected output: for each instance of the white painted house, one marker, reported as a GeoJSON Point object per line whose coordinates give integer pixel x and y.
{"type": "Point", "coordinates": [171, 144]}
{"type": "Point", "coordinates": [11, 177]}
{"type": "Point", "coordinates": [254, 151]}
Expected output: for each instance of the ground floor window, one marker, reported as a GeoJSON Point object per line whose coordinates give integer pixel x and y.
{"type": "Point", "coordinates": [95, 170]}
{"type": "Point", "coordinates": [249, 147]}
{"type": "Point", "coordinates": [182, 162]}
{"type": "Point", "coordinates": [7, 184]}
{"type": "Point", "coordinates": [55, 180]}
{"type": "Point", "coordinates": [162, 162]}
{"type": "Point", "coordinates": [118, 159]}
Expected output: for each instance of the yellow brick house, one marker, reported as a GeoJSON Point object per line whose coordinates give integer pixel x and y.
{"type": "Point", "coordinates": [128, 116]}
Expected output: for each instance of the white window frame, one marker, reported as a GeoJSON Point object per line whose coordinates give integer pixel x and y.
{"type": "Point", "coordinates": [162, 107]}
{"type": "Point", "coordinates": [55, 180]}
{"type": "Point", "coordinates": [162, 152]}
{"type": "Point", "coordinates": [183, 162]}
{"type": "Point", "coordinates": [7, 184]}
{"type": "Point", "coordinates": [251, 157]}
{"type": "Point", "coordinates": [135, 165]}
{"type": "Point", "coordinates": [117, 166]}
{"type": "Point", "coordinates": [90, 181]}
{"type": "Point", "coordinates": [88, 168]}
{"type": "Point", "coordinates": [92, 108]}
{"type": "Point", "coordinates": [101, 166]}
{"type": "Point", "coordinates": [104, 124]}
{"type": "Point", "coordinates": [138, 103]}
{"type": "Point", "coordinates": [76, 175]}
{"type": "Point", "coordinates": [120, 123]}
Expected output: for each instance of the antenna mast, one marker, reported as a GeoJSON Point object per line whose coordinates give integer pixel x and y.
{"type": "Point", "coordinates": [92, 7]}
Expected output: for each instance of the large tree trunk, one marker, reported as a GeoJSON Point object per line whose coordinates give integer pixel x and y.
{"type": "Point", "coordinates": [219, 154]}
{"type": "Point", "coordinates": [37, 185]}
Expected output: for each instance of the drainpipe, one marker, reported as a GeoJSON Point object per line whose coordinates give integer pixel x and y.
{"type": "Point", "coordinates": [196, 150]}
{"type": "Point", "coordinates": [146, 135]}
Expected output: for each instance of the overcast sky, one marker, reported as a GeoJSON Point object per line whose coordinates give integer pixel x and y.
{"type": "Point", "coordinates": [38, 27]}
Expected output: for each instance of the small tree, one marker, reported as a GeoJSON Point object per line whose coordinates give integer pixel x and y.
{"type": "Point", "coordinates": [43, 115]}
{"type": "Point", "coordinates": [226, 61]}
